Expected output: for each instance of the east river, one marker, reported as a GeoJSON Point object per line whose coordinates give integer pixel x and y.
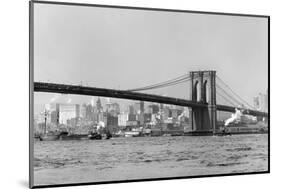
{"type": "Point", "coordinates": [61, 162]}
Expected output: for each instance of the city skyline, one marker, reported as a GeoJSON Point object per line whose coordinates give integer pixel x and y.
{"type": "Point", "coordinates": [86, 110]}
{"type": "Point", "coordinates": [124, 103]}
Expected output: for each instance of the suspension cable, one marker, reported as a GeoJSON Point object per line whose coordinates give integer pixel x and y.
{"type": "Point", "coordinates": [180, 78]}
{"type": "Point", "coordinates": [229, 96]}
{"type": "Point", "coordinates": [234, 92]}
{"type": "Point", "coordinates": [226, 99]}
{"type": "Point", "coordinates": [163, 85]}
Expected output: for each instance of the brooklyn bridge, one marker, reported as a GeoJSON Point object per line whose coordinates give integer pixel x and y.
{"type": "Point", "coordinates": [205, 87]}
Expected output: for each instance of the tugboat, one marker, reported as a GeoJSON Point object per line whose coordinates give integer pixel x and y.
{"type": "Point", "coordinates": [95, 136]}
{"type": "Point", "coordinates": [108, 135]}
{"type": "Point", "coordinates": [50, 136]}
{"type": "Point", "coordinates": [100, 132]}
{"type": "Point", "coordinates": [98, 136]}
{"type": "Point", "coordinates": [68, 136]}
{"type": "Point", "coordinates": [223, 132]}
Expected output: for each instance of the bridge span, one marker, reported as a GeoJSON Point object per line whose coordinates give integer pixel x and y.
{"type": "Point", "coordinates": [124, 94]}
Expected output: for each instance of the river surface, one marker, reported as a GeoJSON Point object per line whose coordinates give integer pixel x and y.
{"type": "Point", "coordinates": [61, 162]}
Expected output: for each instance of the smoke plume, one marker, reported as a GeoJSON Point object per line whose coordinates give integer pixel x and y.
{"type": "Point", "coordinates": [234, 117]}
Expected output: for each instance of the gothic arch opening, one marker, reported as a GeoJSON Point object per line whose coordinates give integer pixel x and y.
{"type": "Point", "coordinates": [205, 91]}
{"type": "Point", "coordinates": [196, 91]}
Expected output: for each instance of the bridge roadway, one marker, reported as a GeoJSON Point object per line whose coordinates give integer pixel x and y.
{"type": "Point", "coordinates": [123, 94]}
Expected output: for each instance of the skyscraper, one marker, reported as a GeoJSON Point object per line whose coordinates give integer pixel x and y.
{"type": "Point", "coordinates": [67, 112]}
{"type": "Point", "coordinates": [256, 102]}
{"type": "Point", "coordinates": [99, 105]}
{"type": "Point", "coordinates": [263, 102]}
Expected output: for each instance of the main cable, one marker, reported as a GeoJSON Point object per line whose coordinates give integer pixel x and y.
{"type": "Point", "coordinates": [174, 80]}
{"type": "Point", "coordinates": [226, 99]}
{"type": "Point", "coordinates": [235, 92]}
{"type": "Point", "coordinates": [228, 95]}
{"type": "Point", "coordinates": [162, 86]}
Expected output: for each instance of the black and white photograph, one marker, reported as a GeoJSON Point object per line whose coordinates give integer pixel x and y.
{"type": "Point", "coordinates": [121, 94]}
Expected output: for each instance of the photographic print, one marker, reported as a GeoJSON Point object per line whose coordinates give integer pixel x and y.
{"type": "Point", "coordinates": [121, 94]}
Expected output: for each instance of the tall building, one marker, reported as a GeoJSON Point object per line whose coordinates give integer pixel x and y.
{"type": "Point", "coordinates": [154, 108]}
{"type": "Point", "coordinates": [147, 117]}
{"type": "Point", "coordinates": [261, 102]}
{"type": "Point", "coordinates": [136, 107]}
{"type": "Point", "coordinates": [89, 112]}
{"type": "Point", "coordinates": [256, 102]}
{"type": "Point", "coordinates": [266, 100]}
{"type": "Point", "coordinates": [141, 114]}
{"type": "Point", "coordinates": [83, 111]}
{"type": "Point", "coordinates": [112, 123]}
{"type": "Point", "coordinates": [131, 109]}
{"type": "Point", "coordinates": [53, 114]}
{"type": "Point", "coordinates": [174, 113]}
{"type": "Point", "coordinates": [122, 119]}
{"type": "Point", "coordinates": [99, 105]}
{"type": "Point", "coordinates": [112, 108]}
{"type": "Point", "coordinates": [55, 117]}
{"type": "Point", "coordinates": [67, 112]}
{"type": "Point", "coordinates": [166, 113]}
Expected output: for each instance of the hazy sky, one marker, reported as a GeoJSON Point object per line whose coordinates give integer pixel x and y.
{"type": "Point", "coordinates": [123, 49]}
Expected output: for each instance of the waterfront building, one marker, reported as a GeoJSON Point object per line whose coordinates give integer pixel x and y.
{"type": "Point", "coordinates": [166, 113]}
{"type": "Point", "coordinates": [141, 114]}
{"type": "Point", "coordinates": [136, 106]}
{"type": "Point", "coordinates": [147, 117]}
{"type": "Point", "coordinates": [83, 111]}
{"type": "Point", "coordinates": [174, 113]}
{"type": "Point", "coordinates": [132, 123]}
{"type": "Point", "coordinates": [55, 117]}
{"type": "Point", "coordinates": [112, 120]}
{"type": "Point", "coordinates": [102, 117]}
{"type": "Point", "coordinates": [261, 102]}
{"type": "Point", "coordinates": [152, 109]}
{"type": "Point", "coordinates": [127, 119]}
{"type": "Point", "coordinates": [186, 111]}
{"type": "Point", "coordinates": [132, 117]}
{"type": "Point", "coordinates": [122, 119]}
{"type": "Point", "coordinates": [155, 118]}
{"type": "Point", "coordinates": [89, 112]}
{"type": "Point", "coordinates": [112, 108]}
{"type": "Point", "coordinates": [112, 123]}
{"type": "Point", "coordinates": [131, 109]}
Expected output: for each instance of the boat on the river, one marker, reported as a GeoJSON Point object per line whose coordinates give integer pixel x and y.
{"type": "Point", "coordinates": [73, 137]}
{"type": "Point", "coordinates": [49, 137]}
{"type": "Point", "coordinates": [243, 128]}
{"type": "Point", "coordinates": [223, 133]}
{"type": "Point", "coordinates": [95, 136]}
{"type": "Point", "coordinates": [132, 133]}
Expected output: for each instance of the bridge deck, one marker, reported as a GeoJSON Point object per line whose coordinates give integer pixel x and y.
{"type": "Point", "coordinates": [123, 94]}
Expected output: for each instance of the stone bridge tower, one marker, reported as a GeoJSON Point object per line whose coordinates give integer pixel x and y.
{"type": "Point", "coordinates": [203, 90]}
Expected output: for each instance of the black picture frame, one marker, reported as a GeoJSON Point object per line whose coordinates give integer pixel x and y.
{"type": "Point", "coordinates": [31, 89]}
